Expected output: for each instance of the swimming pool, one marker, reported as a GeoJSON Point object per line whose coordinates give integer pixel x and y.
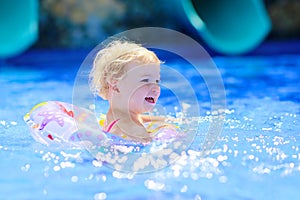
{"type": "Point", "coordinates": [256, 157]}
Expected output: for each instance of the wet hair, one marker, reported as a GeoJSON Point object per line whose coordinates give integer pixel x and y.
{"type": "Point", "coordinates": [110, 62]}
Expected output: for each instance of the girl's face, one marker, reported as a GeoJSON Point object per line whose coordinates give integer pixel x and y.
{"type": "Point", "coordinates": [140, 89]}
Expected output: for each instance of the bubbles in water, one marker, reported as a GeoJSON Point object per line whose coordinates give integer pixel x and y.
{"type": "Point", "coordinates": [100, 196]}
{"type": "Point", "coordinates": [74, 179]}
{"type": "Point", "coordinates": [152, 185]}
{"type": "Point", "coordinates": [25, 168]}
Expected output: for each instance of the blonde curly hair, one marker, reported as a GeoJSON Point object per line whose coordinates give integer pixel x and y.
{"type": "Point", "coordinates": [110, 61]}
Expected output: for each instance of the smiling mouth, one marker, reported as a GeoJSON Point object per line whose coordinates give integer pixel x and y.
{"type": "Point", "coordinates": [150, 99]}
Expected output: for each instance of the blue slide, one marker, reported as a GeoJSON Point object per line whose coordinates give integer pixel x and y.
{"type": "Point", "coordinates": [18, 26]}
{"type": "Point", "coordinates": [229, 27]}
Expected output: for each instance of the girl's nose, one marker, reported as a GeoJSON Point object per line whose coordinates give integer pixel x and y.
{"type": "Point", "coordinates": [155, 88]}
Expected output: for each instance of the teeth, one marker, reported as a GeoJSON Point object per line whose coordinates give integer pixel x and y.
{"type": "Point", "coordinates": [150, 99]}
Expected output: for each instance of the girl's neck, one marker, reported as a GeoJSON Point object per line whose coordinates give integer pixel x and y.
{"type": "Point", "coordinates": [115, 114]}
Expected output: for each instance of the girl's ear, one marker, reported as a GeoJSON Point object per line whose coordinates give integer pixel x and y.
{"type": "Point", "coordinates": [116, 89]}
{"type": "Point", "coordinates": [113, 84]}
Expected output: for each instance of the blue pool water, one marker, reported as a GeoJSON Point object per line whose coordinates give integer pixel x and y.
{"type": "Point", "coordinates": [257, 155]}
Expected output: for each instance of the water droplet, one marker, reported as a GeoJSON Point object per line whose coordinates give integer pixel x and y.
{"type": "Point", "coordinates": [74, 179]}
{"type": "Point", "coordinates": [56, 168]}
{"type": "Point", "coordinates": [100, 196]}
{"type": "Point", "coordinates": [223, 179]}
{"type": "Point", "coordinates": [184, 188]}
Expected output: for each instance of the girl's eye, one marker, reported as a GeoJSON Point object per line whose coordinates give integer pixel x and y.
{"type": "Point", "coordinates": [145, 80]}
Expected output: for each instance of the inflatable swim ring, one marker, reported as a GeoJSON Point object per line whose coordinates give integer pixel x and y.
{"type": "Point", "coordinates": [54, 123]}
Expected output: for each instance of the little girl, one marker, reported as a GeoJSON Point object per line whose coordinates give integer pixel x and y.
{"type": "Point", "coordinates": [127, 75]}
